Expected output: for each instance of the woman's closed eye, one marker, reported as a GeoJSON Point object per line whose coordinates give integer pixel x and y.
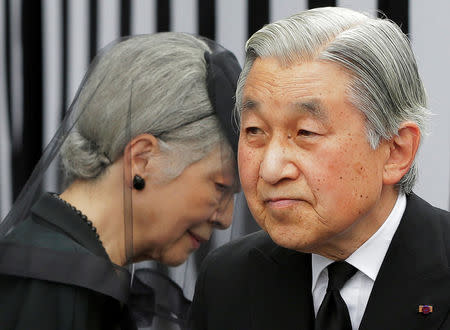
{"type": "Point", "coordinates": [221, 187]}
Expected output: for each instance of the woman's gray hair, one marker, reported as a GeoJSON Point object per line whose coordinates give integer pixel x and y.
{"type": "Point", "coordinates": [385, 84]}
{"type": "Point", "coordinates": [145, 84]}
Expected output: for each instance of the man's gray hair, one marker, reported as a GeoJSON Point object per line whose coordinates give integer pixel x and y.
{"type": "Point", "coordinates": [385, 84]}
{"type": "Point", "coordinates": [145, 84]}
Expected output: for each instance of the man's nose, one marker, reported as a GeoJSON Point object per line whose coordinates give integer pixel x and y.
{"type": "Point", "coordinates": [223, 216]}
{"type": "Point", "coordinates": [278, 163]}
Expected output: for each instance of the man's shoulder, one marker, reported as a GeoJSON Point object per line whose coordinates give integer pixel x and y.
{"type": "Point", "coordinates": [431, 223]}
{"type": "Point", "coordinates": [421, 209]}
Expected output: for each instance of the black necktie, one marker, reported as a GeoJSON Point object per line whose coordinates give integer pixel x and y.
{"type": "Point", "coordinates": [333, 312]}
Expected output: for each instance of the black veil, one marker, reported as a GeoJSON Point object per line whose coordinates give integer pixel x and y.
{"type": "Point", "coordinates": [152, 279]}
{"type": "Point", "coordinates": [32, 260]}
{"type": "Point", "coordinates": [152, 296]}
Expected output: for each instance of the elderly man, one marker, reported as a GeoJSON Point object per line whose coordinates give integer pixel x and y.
{"type": "Point", "coordinates": [331, 110]}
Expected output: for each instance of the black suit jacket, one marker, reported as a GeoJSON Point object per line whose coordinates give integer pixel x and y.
{"type": "Point", "coordinates": [254, 284]}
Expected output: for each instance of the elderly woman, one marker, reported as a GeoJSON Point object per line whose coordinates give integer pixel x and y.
{"type": "Point", "coordinates": [147, 155]}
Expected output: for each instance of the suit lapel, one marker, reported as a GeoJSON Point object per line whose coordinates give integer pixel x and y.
{"type": "Point", "coordinates": [412, 274]}
{"type": "Point", "coordinates": [280, 289]}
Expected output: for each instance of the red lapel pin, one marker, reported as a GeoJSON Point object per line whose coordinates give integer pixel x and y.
{"type": "Point", "coordinates": [425, 309]}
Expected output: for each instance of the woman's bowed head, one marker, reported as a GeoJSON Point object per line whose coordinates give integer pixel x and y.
{"type": "Point", "coordinates": [143, 167]}
{"type": "Point", "coordinates": [149, 150]}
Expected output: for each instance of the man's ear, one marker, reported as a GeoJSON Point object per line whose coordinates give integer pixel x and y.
{"type": "Point", "coordinates": [403, 148]}
{"type": "Point", "coordinates": [137, 156]}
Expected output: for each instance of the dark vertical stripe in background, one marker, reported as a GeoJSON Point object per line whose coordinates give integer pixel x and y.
{"type": "Point", "coordinates": [125, 23]}
{"type": "Point", "coordinates": [163, 15]}
{"type": "Point", "coordinates": [397, 11]}
{"type": "Point", "coordinates": [7, 52]}
{"type": "Point", "coordinates": [65, 55]}
{"type": "Point", "coordinates": [32, 94]}
{"type": "Point", "coordinates": [321, 3]}
{"type": "Point", "coordinates": [207, 18]}
{"type": "Point", "coordinates": [93, 18]}
{"type": "Point", "coordinates": [258, 15]}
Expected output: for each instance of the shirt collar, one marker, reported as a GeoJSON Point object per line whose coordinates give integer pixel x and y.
{"type": "Point", "coordinates": [369, 256]}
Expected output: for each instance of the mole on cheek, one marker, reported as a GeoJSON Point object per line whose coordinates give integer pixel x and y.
{"type": "Point", "coordinates": [358, 168]}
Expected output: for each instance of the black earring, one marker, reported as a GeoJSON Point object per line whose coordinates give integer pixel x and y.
{"type": "Point", "coordinates": [138, 182]}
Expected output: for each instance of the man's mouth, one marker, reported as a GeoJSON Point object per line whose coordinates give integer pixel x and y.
{"type": "Point", "coordinates": [281, 202]}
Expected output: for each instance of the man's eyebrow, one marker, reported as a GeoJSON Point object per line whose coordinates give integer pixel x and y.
{"type": "Point", "coordinates": [249, 105]}
{"type": "Point", "coordinates": [313, 107]}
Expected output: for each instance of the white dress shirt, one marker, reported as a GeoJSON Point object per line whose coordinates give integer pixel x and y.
{"type": "Point", "coordinates": [367, 259]}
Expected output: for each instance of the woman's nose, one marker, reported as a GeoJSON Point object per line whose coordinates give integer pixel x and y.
{"type": "Point", "coordinates": [223, 216]}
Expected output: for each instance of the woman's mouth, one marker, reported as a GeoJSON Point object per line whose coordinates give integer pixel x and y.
{"type": "Point", "coordinates": [196, 239]}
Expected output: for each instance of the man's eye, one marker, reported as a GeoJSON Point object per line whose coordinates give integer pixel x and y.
{"type": "Point", "coordinates": [253, 130]}
{"type": "Point", "coordinates": [304, 132]}
{"type": "Point", "coordinates": [254, 136]}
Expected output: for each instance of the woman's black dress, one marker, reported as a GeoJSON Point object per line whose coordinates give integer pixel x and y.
{"type": "Point", "coordinates": [55, 274]}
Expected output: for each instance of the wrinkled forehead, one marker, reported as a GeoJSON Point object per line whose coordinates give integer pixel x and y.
{"type": "Point", "coordinates": [305, 87]}
{"type": "Point", "coordinates": [312, 107]}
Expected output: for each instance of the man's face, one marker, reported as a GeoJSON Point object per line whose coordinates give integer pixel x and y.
{"type": "Point", "coordinates": [311, 179]}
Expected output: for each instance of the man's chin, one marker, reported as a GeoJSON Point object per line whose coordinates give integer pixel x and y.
{"type": "Point", "coordinates": [292, 240]}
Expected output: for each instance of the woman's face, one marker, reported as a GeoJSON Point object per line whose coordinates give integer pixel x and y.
{"type": "Point", "coordinates": [172, 219]}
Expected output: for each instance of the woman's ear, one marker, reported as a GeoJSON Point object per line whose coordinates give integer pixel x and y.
{"type": "Point", "coordinates": [138, 155]}
{"type": "Point", "coordinates": [403, 148]}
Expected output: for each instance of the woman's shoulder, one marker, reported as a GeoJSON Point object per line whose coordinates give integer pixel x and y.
{"type": "Point", "coordinates": [27, 303]}
{"type": "Point", "coordinates": [35, 233]}
{"type": "Point", "coordinates": [30, 302]}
